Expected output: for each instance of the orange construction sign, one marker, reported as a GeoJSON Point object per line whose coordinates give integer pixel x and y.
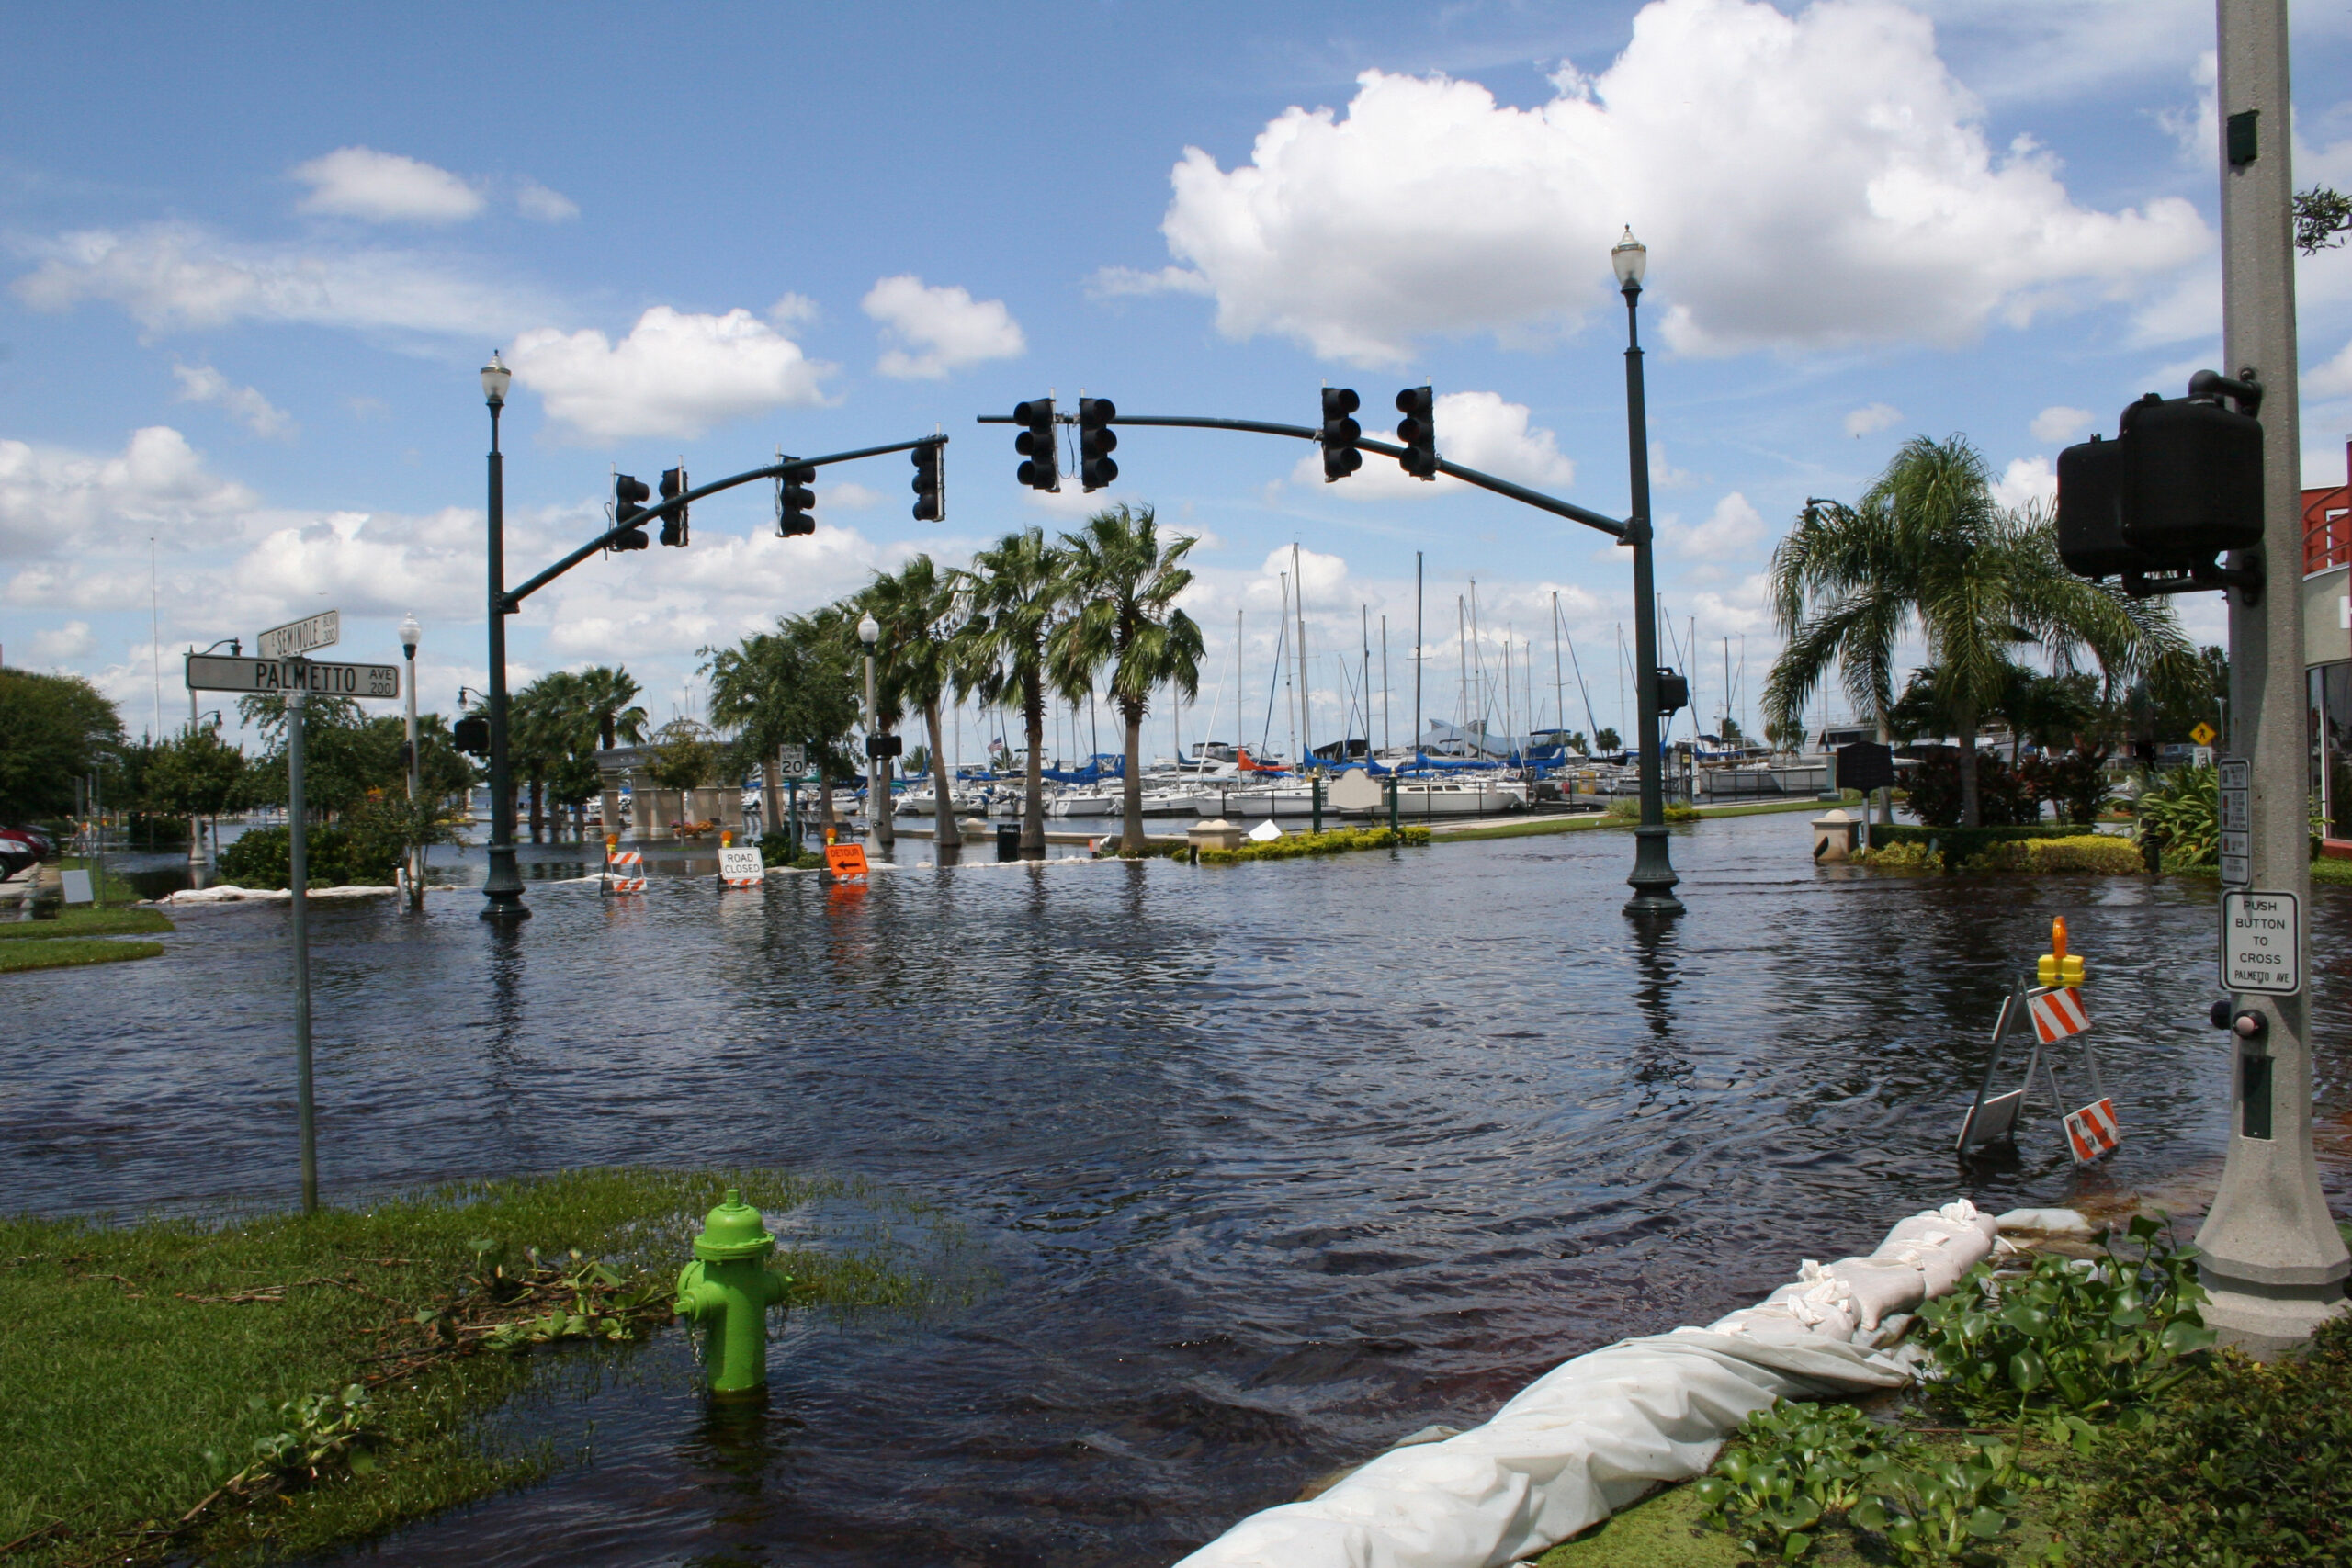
{"type": "Point", "coordinates": [845, 860]}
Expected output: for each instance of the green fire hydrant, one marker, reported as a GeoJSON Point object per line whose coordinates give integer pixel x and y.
{"type": "Point", "coordinates": [727, 1290]}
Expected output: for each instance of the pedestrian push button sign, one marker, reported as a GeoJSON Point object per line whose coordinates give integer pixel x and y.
{"type": "Point", "coordinates": [2262, 943]}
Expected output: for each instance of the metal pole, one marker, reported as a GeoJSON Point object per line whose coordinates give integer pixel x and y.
{"type": "Point", "coordinates": [1387, 736]}
{"type": "Point", "coordinates": [2273, 1263]}
{"type": "Point", "coordinates": [1417, 653]}
{"type": "Point", "coordinates": [415, 786]}
{"type": "Point", "coordinates": [503, 890]}
{"type": "Point", "coordinates": [297, 882]}
{"type": "Point", "coordinates": [1653, 879]}
{"type": "Point", "coordinates": [195, 822]}
{"type": "Point", "coordinates": [874, 810]}
{"type": "Point", "coordinates": [1298, 607]}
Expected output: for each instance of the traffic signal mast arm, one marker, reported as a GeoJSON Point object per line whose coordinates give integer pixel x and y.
{"type": "Point", "coordinates": [1615, 528]}
{"type": "Point", "coordinates": [514, 598]}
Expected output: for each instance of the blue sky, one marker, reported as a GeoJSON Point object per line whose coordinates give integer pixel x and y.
{"type": "Point", "coordinates": [254, 256]}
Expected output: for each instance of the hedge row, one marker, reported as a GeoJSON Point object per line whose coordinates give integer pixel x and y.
{"type": "Point", "coordinates": [1337, 842]}
{"type": "Point", "coordinates": [2099, 854]}
{"type": "Point", "coordinates": [1965, 842]}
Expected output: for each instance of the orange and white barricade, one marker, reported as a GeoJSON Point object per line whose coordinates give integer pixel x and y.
{"type": "Point", "coordinates": [624, 869]}
{"type": "Point", "coordinates": [2055, 1007]}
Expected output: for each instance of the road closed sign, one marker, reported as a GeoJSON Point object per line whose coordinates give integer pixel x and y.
{"type": "Point", "coordinates": [2262, 943]}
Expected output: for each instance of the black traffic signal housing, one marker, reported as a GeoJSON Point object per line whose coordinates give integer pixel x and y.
{"type": "Point", "coordinates": [2180, 484]}
{"type": "Point", "coordinates": [1418, 431]}
{"type": "Point", "coordinates": [1340, 433]}
{"type": "Point", "coordinates": [471, 734]}
{"type": "Point", "coordinates": [796, 503]}
{"type": "Point", "coordinates": [674, 523]}
{"type": "Point", "coordinates": [1673, 691]}
{"type": "Point", "coordinates": [930, 482]}
{"type": "Point", "coordinates": [1096, 441]}
{"type": "Point", "coordinates": [882, 747]}
{"type": "Point", "coordinates": [629, 496]}
{"type": "Point", "coordinates": [1035, 444]}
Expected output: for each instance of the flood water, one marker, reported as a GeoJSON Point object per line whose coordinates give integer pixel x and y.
{"type": "Point", "coordinates": [1272, 1164]}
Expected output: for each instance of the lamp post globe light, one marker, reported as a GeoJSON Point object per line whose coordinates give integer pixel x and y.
{"type": "Point", "coordinates": [869, 632]}
{"type": "Point", "coordinates": [1653, 877]}
{"type": "Point", "coordinates": [410, 633]}
{"type": "Point", "coordinates": [503, 892]}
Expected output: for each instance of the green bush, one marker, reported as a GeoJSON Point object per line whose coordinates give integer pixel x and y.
{"type": "Point", "coordinates": [1337, 842]}
{"type": "Point", "coordinates": [261, 859]}
{"type": "Point", "coordinates": [1965, 842]}
{"type": "Point", "coordinates": [777, 848]}
{"type": "Point", "coordinates": [1904, 855]}
{"type": "Point", "coordinates": [2247, 1463]}
{"type": "Point", "coordinates": [2102, 854]}
{"type": "Point", "coordinates": [2180, 815]}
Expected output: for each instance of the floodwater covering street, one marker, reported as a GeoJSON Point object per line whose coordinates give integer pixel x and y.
{"type": "Point", "coordinates": [1260, 1167]}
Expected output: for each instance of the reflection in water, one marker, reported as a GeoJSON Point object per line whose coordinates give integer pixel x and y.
{"type": "Point", "coordinates": [1276, 1162]}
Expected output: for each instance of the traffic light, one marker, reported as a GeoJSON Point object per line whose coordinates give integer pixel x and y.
{"type": "Point", "coordinates": [2180, 484]}
{"type": "Point", "coordinates": [930, 482]}
{"type": "Point", "coordinates": [1340, 433]}
{"type": "Point", "coordinates": [1418, 431]}
{"type": "Point", "coordinates": [1673, 691]}
{"type": "Point", "coordinates": [471, 734]}
{"type": "Point", "coordinates": [674, 523]}
{"type": "Point", "coordinates": [629, 496]}
{"type": "Point", "coordinates": [794, 502]}
{"type": "Point", "coordinates": [1095, 440]}
{"type": "Point", "coordinates": [1036, 442]}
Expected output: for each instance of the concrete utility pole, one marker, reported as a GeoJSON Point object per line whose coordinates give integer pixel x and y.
{"type": "Point", "coordinates": [2272, 1262]}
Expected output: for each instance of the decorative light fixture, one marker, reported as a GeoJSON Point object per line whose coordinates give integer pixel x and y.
{"type": "Point", "coordinates": [1629, 256]}
{"type": "Point", "coordinates": [495, 379]}
{"type": "Point", "coordinates": [869, 630]}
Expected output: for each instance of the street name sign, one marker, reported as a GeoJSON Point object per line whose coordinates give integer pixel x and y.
{"type": "Point", "coordinates": [2235, 809]}
{"type": "Point", "coordinates": [2262, 943]}
{"type": "Point", "coordinates": [211, 673]}
{"type": "Point", "coordinates": [321, 630]}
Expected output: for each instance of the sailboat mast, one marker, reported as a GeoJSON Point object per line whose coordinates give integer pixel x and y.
{"type": "Point", "coordinates": [1364, 611]}
{"type": "Point", "coordinates": [1559, 690]}
{"type": "Point", "coordinates": [1417, 652]}
{"type": "Point", "coordinates": [1387, 739]}
{"type": "Point", "coordinates": [1298, 606]}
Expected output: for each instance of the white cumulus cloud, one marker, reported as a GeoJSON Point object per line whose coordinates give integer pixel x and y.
{"type": "Point", "coordinates": [57, 644]}
{"type": "Point", "coordinates": [2059, 424]}
{"type": "Point", "coordinates": [675, 373]}
{"type": "Point", "coordinates": [1734, 527]}
{"type": "Point", "coordinates": [56, 501]}
{"type": "Point", "coordinates": [1861, 422]}
{"type": "Point", "coordinates": [537, 202]}
{"type": "Point", "coordinates": [1745, 146]}
{"type": "Point", "coordinates": [1477, 430]}
{"type": "Point", "coordinates": [927, 332]}
{"type": "Point", "coordinates": [203, 384]}
{"type": "Point", "coordinates": [175, 276]}
{"type": "Point", "coordinates": [384, 187]}
{"type": "Point", "coordinates": [2026, 481]}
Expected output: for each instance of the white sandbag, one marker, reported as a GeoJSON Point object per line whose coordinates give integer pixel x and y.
{"type": "Point", "coordinates": [1598, 1432]}
{"type": "Point", "coordinates": [2044, 1222]}
{"type": "Point", "coordinates": [1589, 1437]}
{"type": "Point", "coordinates": [1881, 1287]}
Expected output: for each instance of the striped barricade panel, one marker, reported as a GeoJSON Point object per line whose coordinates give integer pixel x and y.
{"type": "Point", "coordinates": [2093, 1132]}
{"type": "Point", "coordinates": [625, 871]}
{"type": "Point", "coordinates": [2058, 1013]}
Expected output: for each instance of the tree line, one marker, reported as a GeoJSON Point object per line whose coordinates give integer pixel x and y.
{"type": "Point", "coordinates": [1927, 551]}
{"type": "Point", "coordinates": [1031, 619]}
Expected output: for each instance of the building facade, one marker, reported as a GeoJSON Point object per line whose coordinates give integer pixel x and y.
{"type": "Point", "coordinates": [2328, 653]}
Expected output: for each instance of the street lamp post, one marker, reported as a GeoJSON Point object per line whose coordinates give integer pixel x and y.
{"type": "Point", "coordinates": [195, 823]}
{"type": "Point", "coordinates": [410, 633]}
{"type": "Point", "coordinates": [1653, 879]}
{"type": "Point", "coordinates": [503, 890]}
{"type": "Point", "coordinates": [869, 632]}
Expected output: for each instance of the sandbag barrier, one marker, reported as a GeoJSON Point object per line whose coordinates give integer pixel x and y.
{"type": "Point", "coordinates": [1601, 1431]}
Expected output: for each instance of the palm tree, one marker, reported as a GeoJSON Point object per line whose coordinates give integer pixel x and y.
{"type": "Point", "coordinates": [787, 687]}
{"type": "Point", "coordinates": [1017, 590]}
{"type": "Point", "coordinates": [915, 661]}
{"type": "Point", "coordinates": [1124, 584]}
{"type": "Point", "coordinates": [1929, 546]}
{"type": "Point", "coordinates": [607, 695]}
{"type": "Point", "coordinates": [539, 726]}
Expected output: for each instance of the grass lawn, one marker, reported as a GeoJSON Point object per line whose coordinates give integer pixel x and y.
{"type": "Point", "coordinates": [69, 953]}
{"type": "Point", "coordinates": [88, 919]}
{"type": "Point", "coordinates": [144, 1361]}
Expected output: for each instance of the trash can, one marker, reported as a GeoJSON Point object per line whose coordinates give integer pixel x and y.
{"type": "Point", "coordinates": [1836, 836]}
{"type": "Point", "coordinates": [1008, 840]}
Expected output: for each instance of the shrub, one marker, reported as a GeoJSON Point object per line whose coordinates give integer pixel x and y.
{"type": "Point", "coordinates": [2003, 799]}
{"type": "Point", "coordinates": [262, 858]}
{"type": "Point", "coordinates": [1676, 811]}
{"type": "Point", "coordinates": [1904, 854]}
{"type": "Point", "coordinates": [1627, 806]}
{"type": "Point", "coordinates": [2101, 854]}
{"type": "Point", "coordinates": [777, 848]}
{"type": "Point", "coordinates": [1338, 841]}
{"type": "Point", "coordinates": [2180, 815]}
{"type": "Point", "coordinates": [2247, 1463]}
